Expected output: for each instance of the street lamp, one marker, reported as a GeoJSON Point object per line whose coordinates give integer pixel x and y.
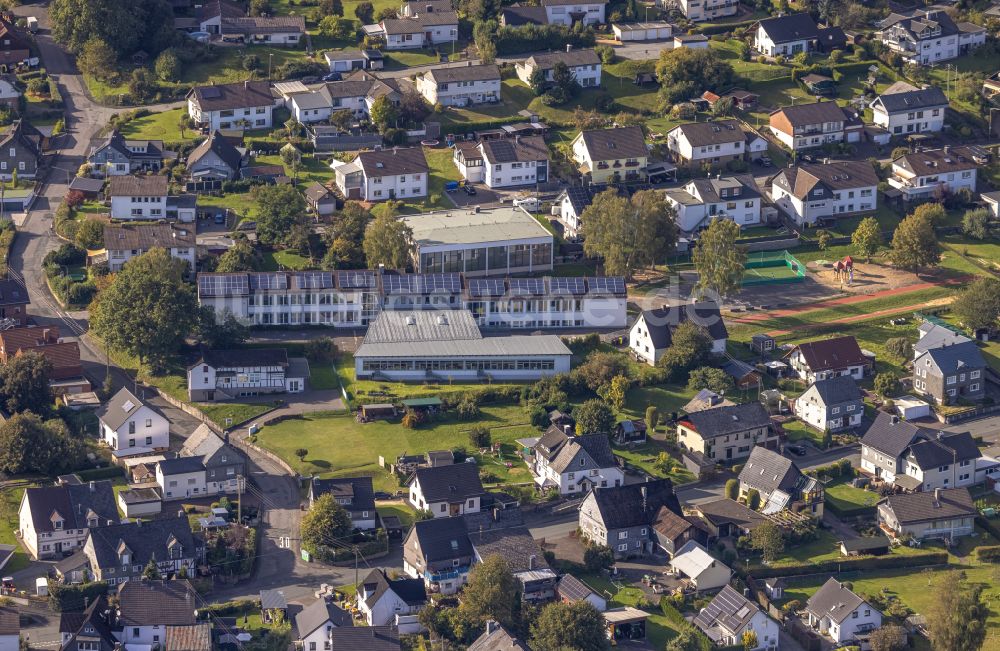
{"type": "Point", "coordinates": [270, 55]}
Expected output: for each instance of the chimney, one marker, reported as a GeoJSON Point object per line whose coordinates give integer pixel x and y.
{"type": "Point", "coordinates": [937, 498]}
{"type": "Point", "coordinates": [138, 522]}
{"type": "Point", "coordinates": [492, 625]}
{"type": "Point", "coordinates": [568, 430]}
{"type": "Point", "coordinates": [642, 491]}
{"type": "Point", "coordinates": [246, 84]}
{"type": "Point", "coordinates": [569, 47]}
{"type": "Point", "coordinates": [180, 513]}
{"type": "Point", "coordinates": [531, 562]}
{"type": "Point", "coordinates": [893, 419]}
{"type": "Point", "coordinates": [45, 335]}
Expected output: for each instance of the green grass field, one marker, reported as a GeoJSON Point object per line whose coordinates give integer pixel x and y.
{"type": "Point", "coordinates": [163, 126]}
{"type": "Point", "coordinates": [847, 498]}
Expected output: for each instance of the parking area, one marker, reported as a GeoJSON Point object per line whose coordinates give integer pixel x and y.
{"type": "Point", "coordinates": [483, 196]}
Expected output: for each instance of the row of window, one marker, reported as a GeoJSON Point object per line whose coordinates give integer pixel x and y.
{"type": "Point", "coordinates": [458, 365]}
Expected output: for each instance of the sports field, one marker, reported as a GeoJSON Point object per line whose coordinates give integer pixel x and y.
{"type": "Point", "coordinates": [770, 273]}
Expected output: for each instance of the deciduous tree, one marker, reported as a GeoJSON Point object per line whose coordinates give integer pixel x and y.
{"type": "Point", "coordinates": [325, 523]}
{"type": "Point", "coordinates": [96, 58]}
{"type": "Point", "coordinates": [629, 234]}
{"type": "Point", "coordinates": [383, 113]}
{"type": "Point", "coordinates": [867, 237]}
{"type": "Point", "coordinates": [914, 244]}
{"type": "Point", "coordinates": [978, 305]}
{"type": "Point", "coordinates": [577, 626]}
{"type": "Point", "coordinates": [594, 417]}
{"type": "Point", "coordinates": [90, 234]}
{"type": "Point", "coordinates": [279, 209]}
{"type": "Point", "coordinates": [24, 383]}
{"type": "Point", "coordinates": [365, 12]}
{"type": "Point", "coordinates": [720, 262]}
{"type": "Point", "coordinates": [492, 593]}
{"type": "Point", "coordinates": [241, 256]}
{"type": "Point", "coordinates": [387, 242]}
{"type": "Point", "coordinates": [889, 637]}
{"type": "Point", "coordinates": [956, 618]}
{"type": "Point", "coordinates": [710, 377]}
{"type": "Point", "coordinates": [768, 540]}
{"type": "Point", "coordinates": [27, 444]}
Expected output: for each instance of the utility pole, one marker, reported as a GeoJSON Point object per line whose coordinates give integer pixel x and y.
{"type": "Point", "coordinates": [239, 498]}
{"type": "Point", "coordinates": [356, 565]}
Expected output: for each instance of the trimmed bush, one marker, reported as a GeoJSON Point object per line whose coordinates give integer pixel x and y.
{"type": "Point", "coordinates": [854, 565]}
{"type": "Point", "coordinates": [988, 554]}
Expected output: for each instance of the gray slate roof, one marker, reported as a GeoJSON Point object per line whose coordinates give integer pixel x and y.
{"type": "Point", "coordinates": [913, 100]}
{"type": "Point", "coordinates": [221, 147]}
{"type": "Point", "coordinates": [634, 505]}
{"type": "Point", "coordinates": [442, 539]}
{"type": "Point", "coordinates": [943, 449]}
{"type": "Point", "coordinates": [459, 481]}
{"type": "Point", "coordinates": [890, 435]}
{"type": "Point", "coordinates": [145, 540]}
{"type": "Point", "coordinates": [793, 27]}
{"type": "Point", "coordinates": [359, 489]}
{"type": "Point", "coordinates": [411, 591]}
{"type": "Point", "coordinates": [615, 144]}
{"type": "Point", "coordinates": [571, 59]}
{"type": "Point", "coordinates": [937, 335]}
{"type": "Point", "coordinates": [955, 358]}
{"type": "Point", "coordinates": [515, 544]}
{"type": "Point", "coordinates": [114, 413]}
{"type": "Point", "coordinates": [73, 502]}
{"type": "Point", "coordinates": [768, 471]}
{"type": "Point", "coordinates": [728, 612]}
{"type": "Point", "coordinates": [482, 72]}
{"type": "Point", "coordinates": [180, 465]}
{"type": "Point", "coordinates": [662, 321]}
{"type": "Point", "coordinates": [317, 614]}
{"type": "Point", "coordinates": [166, 603]}
{"type": "Point", "coordinates": [219, 97]}
{"type": "Point", "coordinates": [837, 390]}
{"type": "Point", "coordinates": [366, 638]}
{"type": "Point", "coordinates": [720, 421]}
{"type": "Point", "coordinates": [497, 638]}
{"type": "Point", "coordinates": [834, 601]}
{"type": "Point", "coordinates": [393, 162]}
{"type": "Point", "coordinates": [155, 185]}
{"type": "Point", "coordinates": [245, 357]}
{"type": "Point", "coordinates": [913, 508]}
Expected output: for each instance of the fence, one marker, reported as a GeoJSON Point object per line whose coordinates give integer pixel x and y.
{"type": "Point", "coordinates": [786, 268]}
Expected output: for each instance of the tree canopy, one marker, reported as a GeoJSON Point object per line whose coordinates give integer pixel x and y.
{"type": "Point", "coordinates": [279, 209]}
{"type": "Point", "coordinates": [27, 444]}
{"type": "Point", "coordinates": [629, 233]}
{"type": "Point", "coordinates": [978, 305]}
{"type": "Point", "coordinates": [577, 626]}
{"type": "Point", "coordinates": [126, 26]}
{"type": "Point", "coordinates": [681, 71]}
{"type": "Point", "coordinates": [594, 417]}
{"type": "Point", "coordinates": [492, 593]}
{"type": "Point", "coordinates": [387, 242]}
{"type": "Point", "coordinates": [24, 383]}
{"type": "Point", "coordinates": [719, 260]}
{"type": "Point", "coordinates": [324, 523]}
{"type": "Point", "coordinates": [867, 237]}
{"type": "Point", "coordinates": [914, 244]}
{"type": "Point", "coordinates": [956, 620]}
{"type": "Point", "coordinates": [148, 309]}
{"type": "Point", "coordinates": [241, 256]}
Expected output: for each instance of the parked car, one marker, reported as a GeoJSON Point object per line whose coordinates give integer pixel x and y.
{"type": "Point", "coordinates": [220, 218]}
{"type": "Point", "coordinates": [531, 204]}
{"type": "Point", "coordinates": [765, 161]}
{"type": "Point", "coordinates": [333, 76]}
{"type": "Point", "coordinates": [796, 449]}
{"type": "Point", "coordinates": [469, 190]}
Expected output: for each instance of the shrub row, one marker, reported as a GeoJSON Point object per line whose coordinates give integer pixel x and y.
{"type": "Point", "coordinates": [95, 474]}
{"type": "Point", "coordinates": [230, 608]}
{"type": "Point", "coordinates": [855, 564]}
{"type": "Point", "coordinates": [70, 598]}
{"type": "Point", "coordinates": [988, 554]}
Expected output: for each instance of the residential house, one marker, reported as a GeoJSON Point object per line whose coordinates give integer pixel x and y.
{"type": "Point", "coordinates": [933, 335]}
{"type": "Point", "coordinates": [119, 553]}
{"type": "Point", "coordinates": [522, 160]}
{"type": "Point", "coordinates": [569, 12]}
{"type": "Point", "coordinates": [838, 613]}
{"type": "Point", "coordinates": [517, 15]}
{"type": "Point", "coordinates": [804, 126]}
{"type": "Point", "coordinates": [152, 613]}
{"type": "Point", "coordinates": [397, 173]}
{"type": "Point", "coordinates": [321, 200]}
{"type": "Point", "coordinates": [15, 46]}
{"type": "Point", "coordinates": [130, 427]}
{"type": "Point", "coordinates": [942, 513]}
{"type": "Point", "coordinates": [780, 484]}
{"type": "Point", "coordinates": [355, 494]}
{"type": "Point", "coordinates": [611, 155]}
{"type": "Point", "coordinates": [571, 590]}
{"type": "Point", "coordinates": [416, 31]}
{"type": "Point", "coordinates": [724, 518]}
{"type": "Point", "coordinates": [831, 405]}
{"type": "Point", "coordinates": [353, 94]}
{"type": "Point", "coordinates": [730, 616]}
{"type": "Point", "coordinates": [380, 599]}
{"type": "Point", "coordinates": [523, 554]}
{"type": "Point", "coordinates": [211, 14]}
{"type": "Point", "coordinates": [818, 360]}
{"type": "Point", "coordinates": [574, 464]}
{"type": "Point", "coordinates": [228, 374]}
{"type": "Point", "coordinates": [264, 30]}
{"type": "Point", "coordinates": [315, 622]}
{"type": "Point", "coordinates": [935, 173]}
{"type": "Point", "coordinates": [794, 33]}
{"type": "Point", "coordinates": [366, 638]}
{"type": "Point", "coordinates": [20, 149]}
{"type": "Point", "coordinates": [631, 431]}
{"type": "Point", "coordinates": [621, 517]}
{"type": "Point", "coordinates": [139, 197]}
{"type": "Point", "coordinates": [699, 10]}
{"type": "Point", "coordinates": [54, 520]}
{"type": "Point", "coordinates": [946, 460]}
{"type": "Point", "coordinates": [706, 399]}
{"type": "Point", "coordinates": [903, 109]}
{"type": "Point", "coordinates": [707, 143]}
{"type": "Point", "coordinates": [464, 86]}
{"type": "Point", "coordinates": [127, 241]}
{"type": "Point", "coordinates": [701, 570]}
{"type": "Point", "coordinates": [66, 375]}
{"type": "Point", "coordinates": [227, 106]}
{"type": "Point", "coordinates": [181, 478]}
{"type": "Point", "coordinates": [117, 156]}
{"type": "Point", "coordinates": [215, 159]}
{"type": "Point", "coordinates": [700, 201]}
{"type": "Point", "coordinates": [650, 335]}
{"type": "Point", "coordinates": [498, 638]}
{"type": "Point", "coordinates": [93, 629]}
{"type": "Point", "coordinates": [727, 434]}
{"type": "Point", "coordinates": [345, 60]}
{"type": "Point", "coordinates": [224, 464]}
{"type": "Point", "coordinates": [949, 374]}
{"type": "Point", "coordinates": [10, 91]}
{"type": "Point", "coordinates": [468, 158]}
{"type": "Point", "coordinates": [929, 36]}
{"type": "Point", "coordinates": [673, 530]}
{"type": "Point", "coordinates": [446, 491]}
{"type": "Point", "coordinates": [584, 65]}
{"type": "Point", "coordinates": [440, 552]}
{"type": "Point", "coordinates": [13, 302]}
{"type": "Point", "coordinates": [884, 444]}
{"type": "Point", "coordinates": [810, 192]}
{"type": "Point", "coordinates": [572, 202]}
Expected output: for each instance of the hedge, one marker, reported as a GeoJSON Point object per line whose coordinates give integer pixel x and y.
{"type": "Point", "coordinates": [70, 598]}
{"type": "Point", "coordinates": [854, 564]}
{"type": "Point", "coordinates": [230, 608]}
{"type": "Point", "coordinates": [708, 30]}
{"type": "Point", "coordinates": [677, 620]}
{"type": "Point", "coordinates": [94, 474]}
{"type": "Point", "coordinates": [988, 526]}
{"type": "Point", "coordinates": [988, 554]}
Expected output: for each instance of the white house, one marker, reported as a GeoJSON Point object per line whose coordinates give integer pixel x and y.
{"type": "Point", "coordinates": [701, 569]}
{"type": "Point", "coordinates": [139, 197]}
{"type": "Point", "coordinates": [572, 202]}
{"type": "Point", "coordinates": [130, 427]}
{"type": "Point", "coordinates": [699, 10]}
{"type": "Point", "coordinates": [381, 599]}
{"type": "Point", "coordinates": [522, 160]}
{"type": "Point", "coordinates": [128, 241]}
{"type": "Point", "coordinates": [446, 491]}
{"type": "Point", "coordinates": [734, 197]}
{"type": "Point", "coordinates": [462, 86]}
{"type": "Point", "coordinates": [650, 335]}
{"type": "Point", "coordinates": [574, 464]}
{"type": "Point", "coordinates": [904, 109]}
{"type": "Point", "coordinates": [468, 158]}
{"type": "Point", "coordinates": [831, 405]}
{"type": "Point", "coordinates": [940, 513]}
{"type": "Point", "coordinates": [584, 65]}
{"type": "Point", "coordinates": [795, 33]}
{"type": "Point", "coordinates": [836, 612]}
{"type": "Point", "coordinates": [181, 477]}
{"type": "Point", "coordinates": [715, 143]}
{"type": "Point", "coordinates": [397, 173]}
{"type": "Point", "coordinates": [825, 358]}
{"type": "Point", "coordinates": [152, 613]}
{"type": "Point", "coordinates": [943, 461]}
{"type": "Point", "coordinates": [229, 106]}
{"type": "Point", "coordinates": [813, 191]}
{"type": "Point", "coordinates": [345, 60]}
{"type": "Point", "coordinates": [417, 31]}
{"type": "Point", "coordinates": [730, 615]}
{"type": "Point", "coordinates": [567, 12]}
{"type": "Point", "coordinates": [55, 519]}
{"type": "Point", "coordinates": [315, 622]}
{"type": "Point", "coordinates": [928, 36]}
{"type": "Point", "coordinates": [804, 126]}
{"type": "Point", "coordinates": [606, 155]}
{"type": "Point", "coordinates": [935, 173]}
{"type": "Point", "coordinates": [228, 374]}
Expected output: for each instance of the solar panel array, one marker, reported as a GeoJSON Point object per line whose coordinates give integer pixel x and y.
{"type": "Point", "coordinates": [527, 286]}
{"type": "Point", "coordinates": [606, 285]}
{"type": "Point", "coordinates": [223, 285]}
{"type": "Point", "coordinates": [422, 284]}
{"type": "Point", "coordinates": [568, 286]}
{"type": "Point", "coordinates": [356, 280]}
{"type": "Point", "coordinates": [315, 280]}
{"type": "Point", "coordinates": [486, 287]}
{"type": "Point", "coordinates": [268, 281]}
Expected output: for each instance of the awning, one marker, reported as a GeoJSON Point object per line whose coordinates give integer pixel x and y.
{"type": "Point", "coordinates": [906, 482]}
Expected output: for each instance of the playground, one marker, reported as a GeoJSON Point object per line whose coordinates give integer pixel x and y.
{"type": "Point", "coordinates": [772, 268]}
{"type": "Point", "coordinates": [857, 277]}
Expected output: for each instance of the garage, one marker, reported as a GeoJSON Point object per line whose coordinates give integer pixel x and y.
{"type": "Point", "coordinates": [911, 407]}
{"type": "Point", "coordinates": [655, 31]}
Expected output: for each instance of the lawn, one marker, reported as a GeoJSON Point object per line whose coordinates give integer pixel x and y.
{"type": "Point", "coordinates": [163, 126]}
{"type": "Point", "coordinates": [848, 499]}
{"type": "Point", "coordinates": [10, 502]}
{"type": "Point", "coordinates": [401, 510]}
{"type": "Point", "coordinates": [236, 412]}
{"type": "Point", "coordinates": [747, 70]}
{"type": "Point", "coordinates": [515, 96]}
{"type": "Point", "coordinates": [401, 59]}
{"type": "Point", "coordinates": [644, 457]}
{"type": "Point", "coordinates": [322, 376]}
{"type": "Point", "coordinates": [284, 259]}
{"type": "Point", "coordinates": [666, 399]}
{"type": "Point", "coordinates": [798, 431]}
{"type": "Point", "coordinates": [356, 448]}
{"type": "Point", "coordinates": [617, 80]}
{"type": "Point", "coordinates": [659, 629]}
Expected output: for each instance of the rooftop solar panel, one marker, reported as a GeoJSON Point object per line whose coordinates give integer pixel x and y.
{"type": "Point", "coordinates": [269, 281]}
{"type": "Point", "coordinates": [315, 280]}
{"type": "Point", "coordinates": [568, 286]}
{"type": "Point", "coordinates": [223, 285]}
{"type": "Point", "coordinates": [355, 279]}
{"type": "Point", "coordinates": [606, 285]}
{"type": "Point", "coordinates": [530, 286]}
{"type": "Point", "coordinates": [486, 287]}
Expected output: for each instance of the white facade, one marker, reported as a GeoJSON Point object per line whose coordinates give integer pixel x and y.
{"type": "Point", "coordinates": [587, 76]}
{"type": "Point", "coordinates": [844, 630]}
{"type": "Point", "coordinates": [207, 383]}
{"type": "Point", "coordinates": [952, 475]}
{"type": "Point", "coordinates": [900, 123]}
{"type": "Point", "coordinates": [929, 183]}
{"type": "Point", "coordinates": [118, 257]}
{"type": "Point", "coordinates": [695, 209]}
{"type": "Point", "coordinates": [812, 411]}
{"type": "Point", "coordinates": [421, 36]}
{"type": "Point", "coordinates": [698, 10]}
{"type": "Point", "coordinates": [318, 640]}
{"type": "Point", "coordinates": [763, 44]}
{"type": "Point", "coordinates": [564, 13]}
{"type": "Point", "coordinates": [444, 509]}
{"type": "Point", "coordinates": [47, 544]}
{"type": "Point", "coordinates": [384, 611]}
{"type": "Point", "coordinates": [802, 370]}
{"type": "Point", "coordinates": [145, 429]}
{"type": "Point", "coordinates": [139, 207]}
{"type": "Point", "coordinates": [568, 482]}
{"type": "Point", "coordinates": [458, 93]}
{"type": "Point", "coordinates": [653, 31]}
{"type": "Point", "coordinates": [505, 175]}
{"type": "Point", "coordinates": [257, 117]}
{"type": "Point", "coordinates": [932, 41]}
{"type": "Point", "coordinates": [825, 203]}
{"type": "Point", "coordinates": [182, 484]}
{"type": "Point", "coordinates": [680, 145]}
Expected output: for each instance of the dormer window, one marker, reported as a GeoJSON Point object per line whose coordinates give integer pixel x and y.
{"type": "Point", "coordinates": [125, 559]}
{"type": "Point", "coordinates": [92, 522]}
